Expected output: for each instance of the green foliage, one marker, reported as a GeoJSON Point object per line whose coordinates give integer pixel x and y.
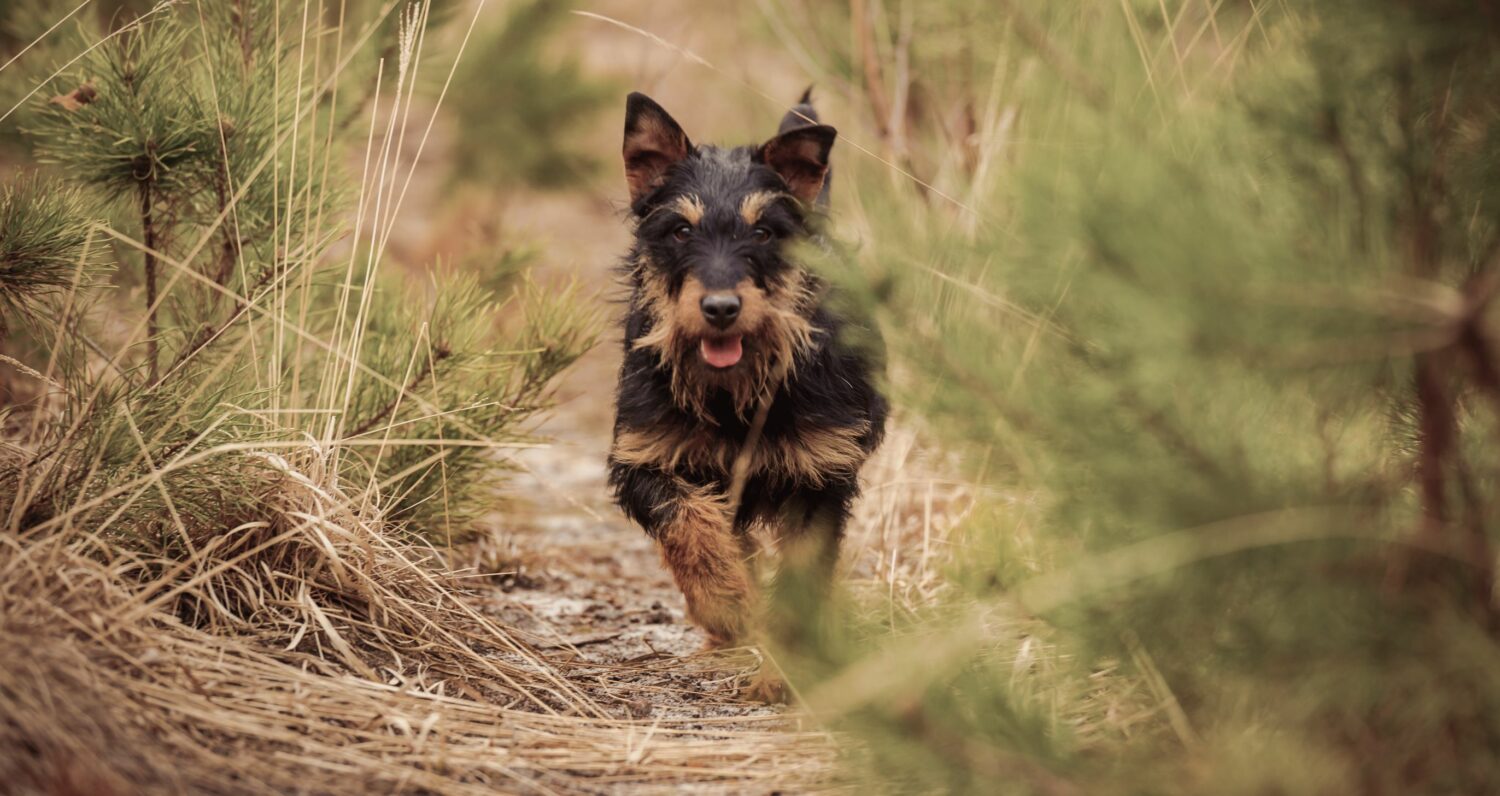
{"type": "Point", "coordinates": [520, 108]}
{"type": "Point", "coordinates": [22, 24]}
{"type": "Point", "coordinates": [122, 466]}
{"type": "Point", "coordinates": [1231, 332]}
{"type": "Point", "coordinates": [477, 389]}
{"type": "Point", "coordinates": [181, 120]}
{"type": "Point", "coordinates": [44, 239]}
{"type": "Point", "coordinates": [209, 135]}
{"type": "Point", "coordinates": [135, 121]}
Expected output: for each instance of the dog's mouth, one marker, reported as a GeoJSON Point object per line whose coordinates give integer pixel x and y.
{"type": "Point", "coordinates": [722, 352]}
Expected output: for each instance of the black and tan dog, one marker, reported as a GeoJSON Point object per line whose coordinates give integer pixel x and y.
{"type": "Point", "coordinates": [734, 365]}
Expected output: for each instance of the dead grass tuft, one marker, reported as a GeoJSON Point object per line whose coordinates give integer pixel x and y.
{"type": "Point", "coordinates": [309, 651]}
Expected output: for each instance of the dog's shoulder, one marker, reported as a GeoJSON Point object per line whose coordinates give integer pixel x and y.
{"type": "Point", "coordinates": [837, 382]}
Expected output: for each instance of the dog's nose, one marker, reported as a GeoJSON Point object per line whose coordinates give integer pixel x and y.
{"type": "Point", "coordinates": [720, 309]}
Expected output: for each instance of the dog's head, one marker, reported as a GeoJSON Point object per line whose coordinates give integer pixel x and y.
{"type": "Point", "coordinates": [729, 306]}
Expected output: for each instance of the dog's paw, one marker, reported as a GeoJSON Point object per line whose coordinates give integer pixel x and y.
{"type": "Point", "coordinates": [765, 688]}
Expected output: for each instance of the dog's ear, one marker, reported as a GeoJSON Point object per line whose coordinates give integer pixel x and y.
{"type": "Point", "coordinates": [653, 142]}
{"type": "Point", "coordinates": [801, 115]}
{"type": "Point", "coordinates": [800, 156]}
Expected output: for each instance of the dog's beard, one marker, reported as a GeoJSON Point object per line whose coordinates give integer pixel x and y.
{"type": "Point", "coordinates": [749, 366]}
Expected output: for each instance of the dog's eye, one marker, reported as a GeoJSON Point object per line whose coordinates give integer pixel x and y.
{"type": "Point", "coordinates": [682, 233]}
{"type": "Point", "coordinates": [761, 235]}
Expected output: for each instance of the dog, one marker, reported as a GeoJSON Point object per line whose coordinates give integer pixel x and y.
{"type": "Point", "coordinates": [743, 398]}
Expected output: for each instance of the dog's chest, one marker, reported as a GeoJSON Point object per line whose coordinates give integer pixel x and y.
{"type": "Point", "coordinates": [787, 452]}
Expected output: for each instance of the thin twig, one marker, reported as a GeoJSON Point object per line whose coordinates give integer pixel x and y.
{"type": "Point", "coordinates": [242, 306]}
{"type": "Point", "coordinates": [864, 32]}
{"type": "Point", "coordinates": [740, 473]}
{"type": "Point", "coordinates": [439, 354]}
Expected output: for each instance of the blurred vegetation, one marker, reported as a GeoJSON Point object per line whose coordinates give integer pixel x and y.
{"type": "Point", "coordinates": [1210, 288]}
{"type": "Point", "coordinates": [1206, 292]}
{"type": "Point", "coordinates": [43, 238]}
{"type": "Point", "coordinates": [520, 103]}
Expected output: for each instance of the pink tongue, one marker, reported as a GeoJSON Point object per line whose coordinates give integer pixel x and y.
{"type": "Point", "coordinates": [721, 353]}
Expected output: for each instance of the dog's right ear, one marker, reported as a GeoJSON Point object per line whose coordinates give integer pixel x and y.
{"type": "Point", "coordinates": [653, 142]}
{"type": "Point", "coordinates": [800, 115]}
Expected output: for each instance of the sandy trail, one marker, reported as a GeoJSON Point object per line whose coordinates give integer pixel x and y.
{"type": "Point", "coordinates": [580, 582]}
{"type": "Point", "coordinates": [586, 584]}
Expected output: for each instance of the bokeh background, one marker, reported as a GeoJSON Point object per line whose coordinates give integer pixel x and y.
{"type": "Point", "coordinates": [308, 357]}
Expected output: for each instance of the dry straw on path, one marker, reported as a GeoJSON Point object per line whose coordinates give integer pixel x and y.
{"type": "Point", "coordinates": [336, 661]}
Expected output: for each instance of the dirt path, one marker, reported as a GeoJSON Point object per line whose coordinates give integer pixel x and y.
{"type": "Point", "coordinates": [587, 584]}
{"type": "Point", "coordinates": [582, 581]}
{"type": "Point", "coordinates": [583, 584]}
{"type": "Point", "coordinates": [589, 587]}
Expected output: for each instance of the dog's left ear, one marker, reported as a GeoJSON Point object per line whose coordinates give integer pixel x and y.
{"type": "Point", "coordinates": [800, 156]}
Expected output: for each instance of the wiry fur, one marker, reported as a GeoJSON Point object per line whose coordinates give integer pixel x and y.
{"type": "Point", "coordinates": [776, 319]}
{"type": "Point", "coordinates": [814, 456]}
{"type": "Point", "coordinates": [707, 561]}
{"type": "Point", "coordinates": [712, 221]}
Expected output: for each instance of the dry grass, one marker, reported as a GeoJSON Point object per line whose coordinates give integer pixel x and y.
{"type": "Point", "coordinates": [905, 541]}
{"type": "Point", "coordinates": [902, 534]}
{"type": "Point", "coordinates": [334, 660]}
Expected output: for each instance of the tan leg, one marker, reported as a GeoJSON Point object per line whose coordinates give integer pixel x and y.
{"type": "Point", "coordinates": [765, 686]}
{"type": "Point", "coordinates": [700, 548]}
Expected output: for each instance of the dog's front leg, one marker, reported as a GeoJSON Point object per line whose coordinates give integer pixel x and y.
{"type": "Point", "coordinates": [699, 546]}
{"type": "Point", "coordinates": [692, 526]}
{"type": "Point", "coordinates": [811, 530]}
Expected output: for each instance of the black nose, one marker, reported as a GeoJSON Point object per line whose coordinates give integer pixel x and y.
{"type": "Point", "coordinates": [720, 309]}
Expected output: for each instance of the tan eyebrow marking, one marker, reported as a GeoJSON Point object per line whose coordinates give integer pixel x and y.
{"type": "Point", "coordinates": [691, 208]}
{"type": "Point", "coordinates": [756, 203]}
